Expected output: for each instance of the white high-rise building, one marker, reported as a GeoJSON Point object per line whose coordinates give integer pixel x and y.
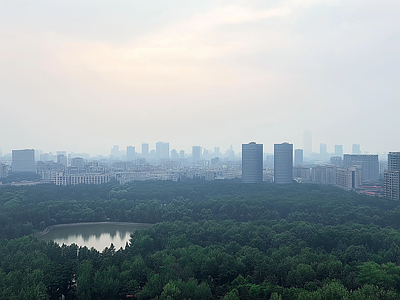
{"type": "Point", "coordinates": [391, 187]}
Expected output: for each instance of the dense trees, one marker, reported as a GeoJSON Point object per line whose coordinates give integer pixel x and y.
{"type": "Point", "coordinates": [212, 240]}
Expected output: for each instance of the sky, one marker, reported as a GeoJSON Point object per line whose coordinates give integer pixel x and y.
{"type": "Point", "coordinates": [83, 76]}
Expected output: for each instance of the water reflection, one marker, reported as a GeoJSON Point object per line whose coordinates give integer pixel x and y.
{"type": "Point", "coordinates": [97, 235]}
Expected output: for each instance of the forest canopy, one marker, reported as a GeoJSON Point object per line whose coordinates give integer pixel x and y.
{"type": "Point", "coordinates": [211, 240]}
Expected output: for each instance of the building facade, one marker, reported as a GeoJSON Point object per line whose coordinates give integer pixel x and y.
{"type": "Point", "coordinates": [196, 153]}
{"type": "Point", "coordinates": [130, 153]}
{"type": "Point", "coordinates": [368, 163]}
{"type": "Point", "coordinates": [283, 163]}
{"type": "Point", "coordinates": [252, 163]}
{"type": "Point", "coordinates": [298, 157]}
{"type": "Point", "coordinates": [391, 187]}
{"type": "Point", "coordinates": [23, 161]}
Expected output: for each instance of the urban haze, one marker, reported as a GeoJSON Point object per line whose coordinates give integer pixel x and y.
{"type": "Point", "coordinates": [83, 76]}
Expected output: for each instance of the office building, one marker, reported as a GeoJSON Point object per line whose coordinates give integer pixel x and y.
{"type": "Point", "coordinates": [115, 154]}
{"type": "Point", "coordinates": [23, 161]}
{"type": "Point", "coordinates": [196, 153]}
{"type": "Point", "coordinates": [336, 161]}
{"type": "Point", "coordinates": [283, 163]}
{"type": "Point", "coordinates": [269, 159]}
{"type": "Point", "coordinates": [62, 160]}
{"type": "Point", "coordinates": [130, 153]}
{"type": "Point", "coordinates": [298, 157]}
{"type": "Point", "coordinates": [307, 146]}
{"type": "Point", "coordinates": [391, 188]}
{"type": "Point", "coordinates": [145, 150]}
{"type": "Point", "coordinates": [162, 150]}
{"type": "Point", "coordinates": [3, 170]}
{"type": "Point", "coordinates": [182, 154]}
{"type": "Point", "coordinates": [78, 162]}
{"type": "Point", "coordinates": [355, 149]}
{"type": "Point", "coordinates": [339, 150]}
{"type": "Point", "coordinates": [174, 155]}
{"type": "Point", "coordinates": [252, 163]}
{"type": "Point", "coordinates": [323, 151]}
{"type": "Point", "coordinates": [368, 164]}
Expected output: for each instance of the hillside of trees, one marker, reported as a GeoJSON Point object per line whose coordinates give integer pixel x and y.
{"type": "Point", "coordinates": [211, 240]}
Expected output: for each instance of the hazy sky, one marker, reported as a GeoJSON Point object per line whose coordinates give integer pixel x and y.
{"type": "Point", "coordinates": [83, 76]}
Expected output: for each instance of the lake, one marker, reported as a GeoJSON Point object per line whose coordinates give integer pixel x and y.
{"type": "Point", "coordinates": [97, 235]}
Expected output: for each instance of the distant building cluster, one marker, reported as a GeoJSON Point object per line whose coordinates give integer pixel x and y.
{"type": "Point", "coordinates": [362, 172]}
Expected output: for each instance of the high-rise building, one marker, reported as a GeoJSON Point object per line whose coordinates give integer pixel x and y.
{"type": "Point", "coordinates": [339, 150]}
{"type": "Point", "coordinates": [348, 178]}
{"type": "Point", "coordinates": [145, 150]}
{"type": "Point", "coordinates": [283, 163]}
{"type": "Point", "coordinates": [323, 174]}
{"type": "Point", "coordinates": [355, 149]}
{"type": "Point", "coordinates": [336, 161]}
{"type": "Point", "coordinates": [301, 173]}
{"type": "Point", "coordinates": [162, 150]}
{"type": "Point", "coordinates": [174, 154]}
{"type": "Point", "coordinates": [62, 160]}
{"type": "Point", "coordinates": [298, 157]}
{"type": "Point", "coordinates": [78, 162]}
{"type": "Point", "coordinates": [23, 160]}
{"type": "Point", "coordinates": [391, 187]}
{"type": "Point", "coordinates": [130, 153]}
{"type": "Point", "coordinates": [196, 153]}
{"type": "Point", "coordinates": [323, 151]}
{"type": "Point", "coordinates": [307, 146]}
{"type": "Point", "coordinates": [115, 154]}
{"type": "Point", "coordinates": [368, 164]}
{"type": "Point", "coordinates": [252, 163]}
{"type": "Point", "coordinates": [217, 151]}
{"type": "Point", "coordinates": [182, 154]}
{"type": "Point", "coordinates": [3, 170]}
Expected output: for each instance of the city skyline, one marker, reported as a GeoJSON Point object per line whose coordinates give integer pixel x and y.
{"type": "Point", "coordinates": [329, 150]}
{"type": "Point", "coordinates": [85, 76]}
{"type": "Point", "coordinates": [148, 147]}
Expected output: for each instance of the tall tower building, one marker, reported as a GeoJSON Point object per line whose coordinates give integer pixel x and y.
{"type": "Point", "coordinates": [298, 157]}
{"type": "Point", "coordinates": [307, 143]}
{"type": "Point", "coordinates": [339, 150]}
{"type": "Point", "coordinates": [145, 150]}
{"type": "Point", "coordinates": [196, 153]}
{"type": "Point", "coordinates": [162, 150]}
{"type": "Point", "coordinates": [130, 153]}
{"type": "Point", "coordinates": [115, 154]}
{"type": "Point", "coordinates": [323, 151]}
{"type": "Point", "coordinates": [62, 160]}
{"type": "Point", "coordinates": [23, 161]}
{"type": "Point", "coordinates": [391, 187]}
{"type": "Point", "coordinates": [174, 154]}
{"type": "Point", "coordinates": [355, 149]}
{"type": "Point", "coordinates": [252, 163]}
{"type": "Point", "coordinates": [283, 163]}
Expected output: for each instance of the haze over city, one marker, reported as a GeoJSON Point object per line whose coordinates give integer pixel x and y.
{"type": "Point", "coordinates": [83, 76]}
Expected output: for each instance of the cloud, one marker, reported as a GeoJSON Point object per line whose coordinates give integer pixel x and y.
{"type": "Point", "coordinates": [182, 57]}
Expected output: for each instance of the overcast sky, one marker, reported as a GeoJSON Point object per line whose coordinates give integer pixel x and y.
{"type": "Point", "coordinates": [83, 76]}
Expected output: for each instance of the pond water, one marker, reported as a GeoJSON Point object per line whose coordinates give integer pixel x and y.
{"type": "Point", "coordinates": [96, 235]}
